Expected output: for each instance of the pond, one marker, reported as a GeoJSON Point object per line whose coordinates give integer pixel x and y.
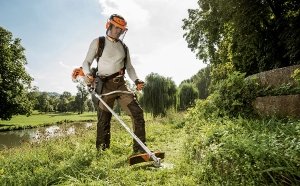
{"type": "Point", "coordinates": [18, 137]}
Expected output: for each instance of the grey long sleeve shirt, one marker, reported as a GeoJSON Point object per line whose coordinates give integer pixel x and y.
{"type": "Point", "coordinates": [111, 61]}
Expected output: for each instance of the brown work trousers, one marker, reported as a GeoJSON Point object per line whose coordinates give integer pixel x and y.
{"type": "Point", "coordinates": [129, 103]}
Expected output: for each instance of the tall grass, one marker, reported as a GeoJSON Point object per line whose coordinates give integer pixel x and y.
{"type": "Point", "coordinates": [204, 151]}
{"type": "Point", "coordinates": [246, 152]}
{"type": "Point", "coordinates": [73, 160]}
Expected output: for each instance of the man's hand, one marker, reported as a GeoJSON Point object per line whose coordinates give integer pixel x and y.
{"type": "Point", "coordinates": [89, 79]}
{"type": "Point", "coordinates": [90, 89]}
{"type": "Point", "coordinates": [139, 84]}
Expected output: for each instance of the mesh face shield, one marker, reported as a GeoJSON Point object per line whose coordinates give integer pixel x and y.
{"type": "Point", "coordinates": [119, 22]}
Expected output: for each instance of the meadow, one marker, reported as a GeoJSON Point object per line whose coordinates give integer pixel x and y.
{"type": "Point", "coordinates": [204, 151]}
{"type": "Point", "coordinates": [39, 120]}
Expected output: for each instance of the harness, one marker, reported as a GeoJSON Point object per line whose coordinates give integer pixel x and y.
{"type": "Point", "coordinates": [101, 44]}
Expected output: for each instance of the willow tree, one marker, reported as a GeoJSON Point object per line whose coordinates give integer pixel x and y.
{"type": "Point", "coordinates": [188, 93]}
{"type": "Point", "coordinates": [160, 95]}
{"type": "Point", "coordinates": [15, 82]}
{"type": "Point", "coordinates": [254, 35]}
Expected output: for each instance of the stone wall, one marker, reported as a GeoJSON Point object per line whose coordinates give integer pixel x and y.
{"type": "Point", "coordinates": [281, 106]}
{"type": "Point", "coordinates": [276, 77]}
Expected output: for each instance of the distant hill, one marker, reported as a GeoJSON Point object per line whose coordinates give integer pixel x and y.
{"type": "Point", "coordinates": [52, 94]}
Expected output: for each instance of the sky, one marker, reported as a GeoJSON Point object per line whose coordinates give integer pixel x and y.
{"type": "Point", "coordinates": [57, 33]}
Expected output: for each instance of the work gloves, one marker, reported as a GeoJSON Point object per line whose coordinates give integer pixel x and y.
{"type": "Point", "coordinates": [139, 84]}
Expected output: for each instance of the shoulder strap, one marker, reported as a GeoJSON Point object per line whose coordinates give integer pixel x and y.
{"type": "Point", "coordinates": [101, 43]}
{"type": "Point", "coordinates": [125, 58]}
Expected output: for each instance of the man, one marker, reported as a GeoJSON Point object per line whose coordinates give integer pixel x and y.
{"type": "Point", "coordinates": [111, 68]}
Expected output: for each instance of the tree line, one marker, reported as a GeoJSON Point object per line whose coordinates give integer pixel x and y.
{"type": "Point", "coordinates": [46, 102]}
{"type": "Point", "coordinates": [19, 97]}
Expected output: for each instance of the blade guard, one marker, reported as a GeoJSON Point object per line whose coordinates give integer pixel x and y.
{"type": "Point", "coordinates": [140, 158]}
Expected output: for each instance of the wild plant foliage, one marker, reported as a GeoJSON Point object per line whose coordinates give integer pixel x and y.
{"type": "Point", "coordinates": [242, 151]}
{"type": "Point", "coordinates": [231, 97]}
{"type": "Point", "coordinates": [253, 35]}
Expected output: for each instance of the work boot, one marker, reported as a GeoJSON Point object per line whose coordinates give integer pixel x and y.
{"type": "Point", "coordinates": [103, 129]}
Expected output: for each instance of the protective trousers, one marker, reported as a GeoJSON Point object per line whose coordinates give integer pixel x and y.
{"type": "Point", "coordinates": [130, 104]}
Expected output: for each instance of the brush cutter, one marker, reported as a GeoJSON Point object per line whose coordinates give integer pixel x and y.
{"type": "Point", "coordinates": [146, 157]}
{"type": "Point", "coordinates": [77, 76]}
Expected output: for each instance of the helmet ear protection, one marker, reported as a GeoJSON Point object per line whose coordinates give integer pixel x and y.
{"type": "Point", "coordinates": [118, 21]}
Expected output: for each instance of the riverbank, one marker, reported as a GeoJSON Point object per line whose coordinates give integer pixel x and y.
{"type": "Point", "coordinates": [42, 120]}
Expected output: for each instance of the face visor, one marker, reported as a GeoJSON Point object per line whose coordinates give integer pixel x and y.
{"type": "Point", "coordinates": [119, 23]}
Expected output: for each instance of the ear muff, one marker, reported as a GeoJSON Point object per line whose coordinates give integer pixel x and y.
{"type": "Point", "coordinates": [107, 25]}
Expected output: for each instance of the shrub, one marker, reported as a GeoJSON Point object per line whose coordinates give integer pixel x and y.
{"type": "Point", "coordinates": [231, 97]}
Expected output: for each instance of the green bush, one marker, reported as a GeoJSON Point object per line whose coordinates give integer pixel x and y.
{"type": "Point", "coordinates": [231, 97]}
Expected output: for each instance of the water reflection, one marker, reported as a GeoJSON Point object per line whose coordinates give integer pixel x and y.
{"type": "Point", "coordinates": [18, 137]}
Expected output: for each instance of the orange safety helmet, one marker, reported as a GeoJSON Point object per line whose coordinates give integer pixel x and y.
{"type": "Point", "coordinates": [118, 21]}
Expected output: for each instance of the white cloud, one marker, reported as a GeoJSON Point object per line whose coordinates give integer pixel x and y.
{"type": "Point", "coordinates": [136, 59]}
{"type": "Point", "coordinates": [61, 63]}
{"type": "Point", "coordinates": [136, 16]}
